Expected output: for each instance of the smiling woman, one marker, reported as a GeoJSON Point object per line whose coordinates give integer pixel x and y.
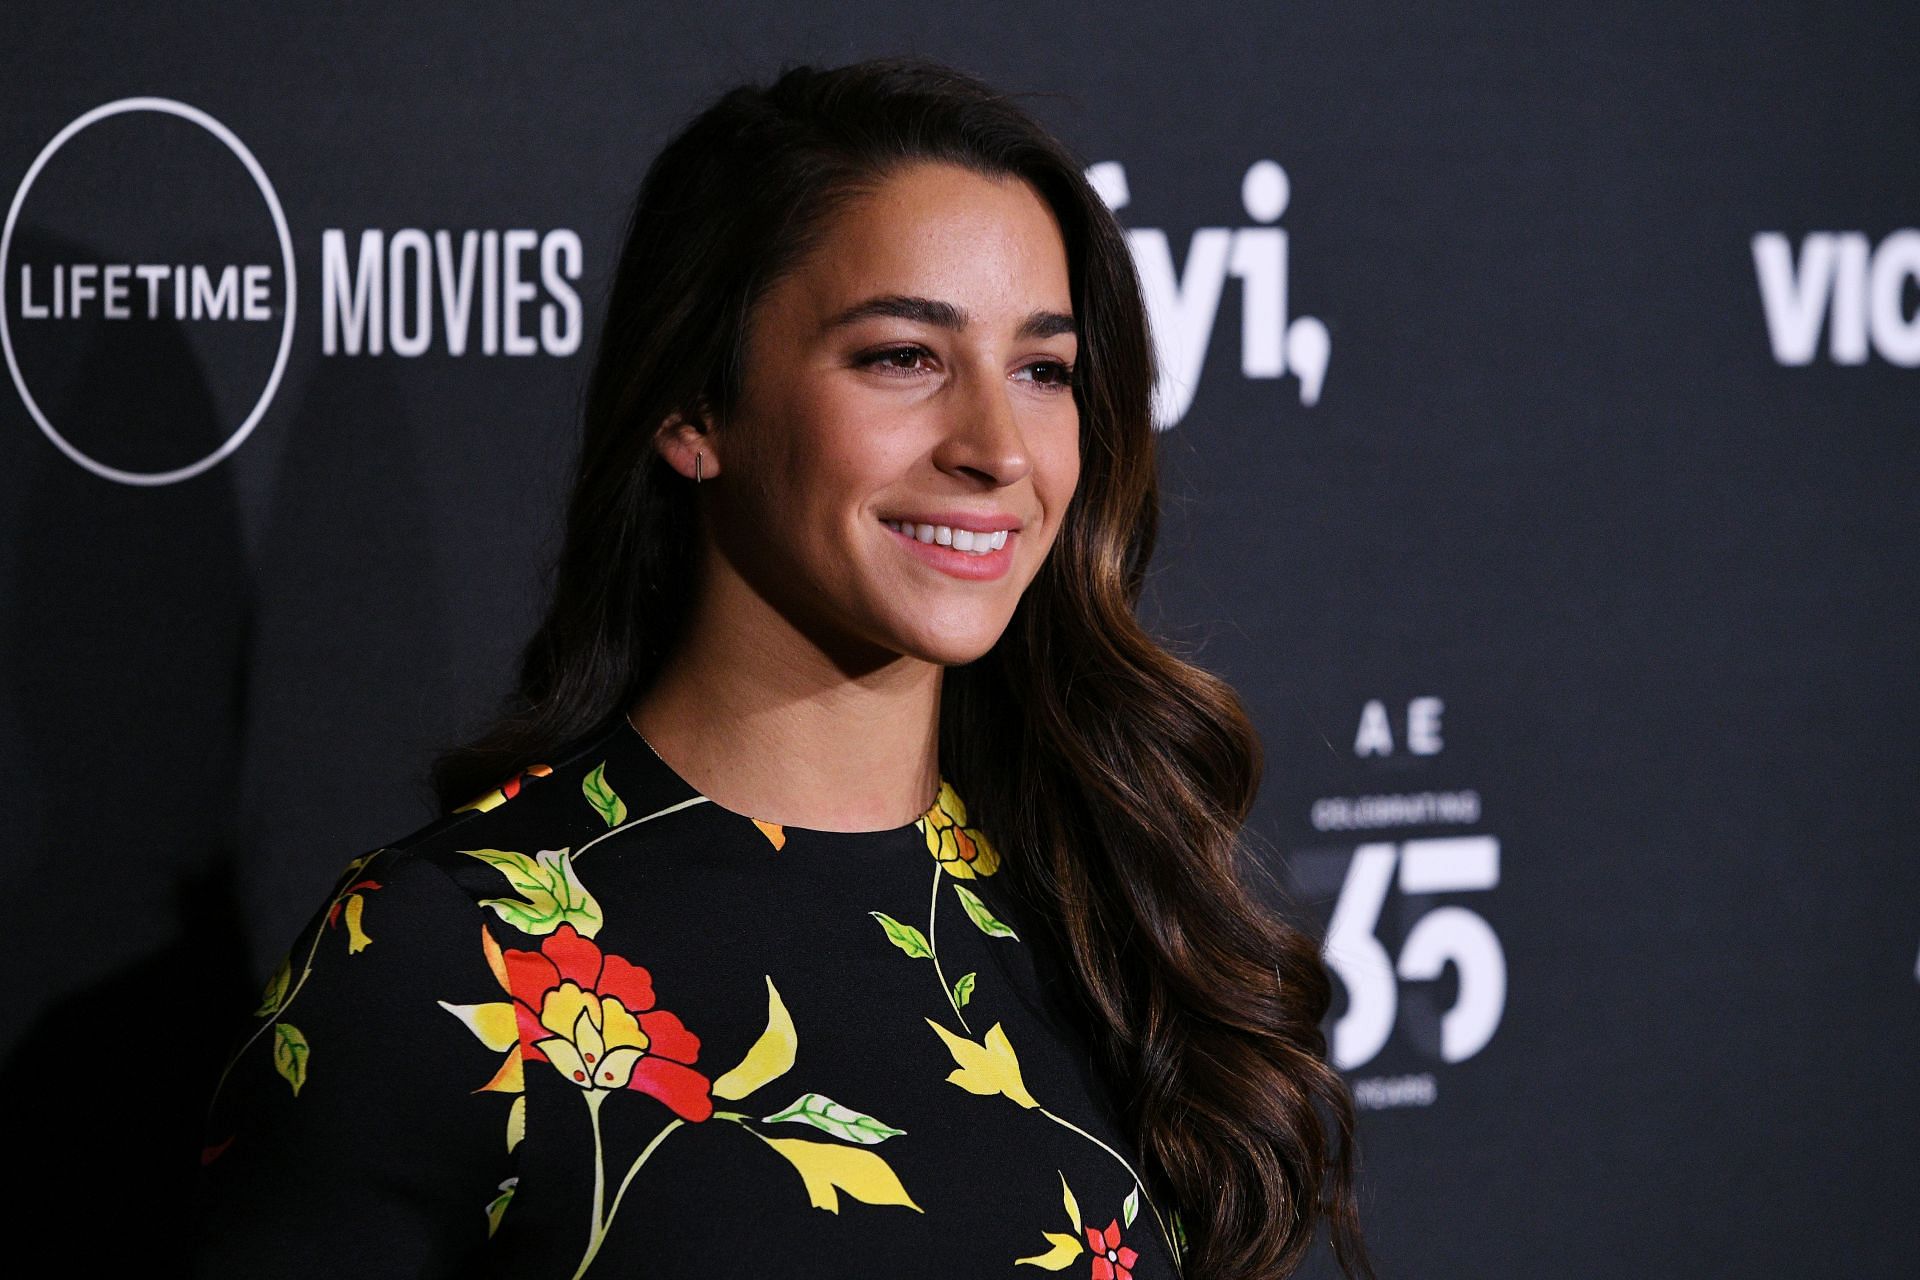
{"type": "Point", "coordinates": [907, 367]}
{"type": "Point", "coordinates": [850, 884]}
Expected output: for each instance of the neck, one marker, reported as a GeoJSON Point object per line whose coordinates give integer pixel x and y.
{"type": "Point", "coordinates": [764, 720]}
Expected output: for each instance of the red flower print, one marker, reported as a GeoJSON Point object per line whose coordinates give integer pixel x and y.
{"type": "Point", "coordinates": [591, 1015]}
{"type": "Point", "coordinates": [1110, 1259]}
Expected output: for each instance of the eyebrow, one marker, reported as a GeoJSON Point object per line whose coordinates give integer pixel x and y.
{"type": "Point", "coordinates": [944, 315]}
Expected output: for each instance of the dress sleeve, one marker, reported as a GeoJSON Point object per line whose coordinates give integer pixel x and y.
{"type": "Point", "coordinates": [363, 1123]}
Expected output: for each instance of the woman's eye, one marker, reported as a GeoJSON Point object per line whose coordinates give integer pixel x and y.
{"type": "Point", "coordinates": [892, 356]}
{"type": "Point", "coordinates": [1059, 375]}
{"type": "Point", "coordinates": [1055, 374]}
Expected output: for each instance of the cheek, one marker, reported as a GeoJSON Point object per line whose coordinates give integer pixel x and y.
{"type": "Point", "coordinates": [814, 467]}
{"type": "Point", "coordinates": [852, 469]}
{"type": "Point", "coordinates": [1057, 474]}
{"type": "Point", "coordinates": [826, 506]}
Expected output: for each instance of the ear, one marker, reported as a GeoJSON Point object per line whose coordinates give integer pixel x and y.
{"type": "Point", "coordinates": [682, 436]}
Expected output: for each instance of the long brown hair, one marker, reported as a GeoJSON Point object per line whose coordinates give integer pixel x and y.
{"type": "Point", "coordinates": [1116, 776]}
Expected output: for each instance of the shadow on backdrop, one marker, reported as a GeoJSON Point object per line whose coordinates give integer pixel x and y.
{"type": "Point", "coordinates": [125, 650]}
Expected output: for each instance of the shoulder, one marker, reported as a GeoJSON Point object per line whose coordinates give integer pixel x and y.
{"type": "Point", "coordinates": [404, 928]}
{"type": "Point", "coordinates": [521, 833]}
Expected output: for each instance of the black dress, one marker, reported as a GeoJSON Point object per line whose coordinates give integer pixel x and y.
{"type": "Point", "coordinates": [594, 1023]}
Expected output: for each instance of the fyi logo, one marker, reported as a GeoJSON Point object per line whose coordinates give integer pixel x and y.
{"type": "Point", "coordinates": [1182, 305]}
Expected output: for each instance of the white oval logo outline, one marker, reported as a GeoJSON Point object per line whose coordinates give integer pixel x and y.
{"type": "Point", "coordinates": [165, 106]}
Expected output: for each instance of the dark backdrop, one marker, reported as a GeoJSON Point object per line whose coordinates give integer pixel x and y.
{"type": "Point", "coordinates": [1540, 406]}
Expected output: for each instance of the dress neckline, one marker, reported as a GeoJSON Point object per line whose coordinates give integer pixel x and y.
{"type": "Point", "coordinates": [915, 828]}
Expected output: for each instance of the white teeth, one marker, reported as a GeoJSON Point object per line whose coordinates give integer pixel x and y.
{"type": "Point", "coordinates": [965, 540]}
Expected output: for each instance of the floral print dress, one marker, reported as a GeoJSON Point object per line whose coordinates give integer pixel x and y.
{"type": "Point", "coordinates": [593, 1023]}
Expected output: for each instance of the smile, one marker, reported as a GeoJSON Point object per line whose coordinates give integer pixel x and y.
{"type": "Point", "coordinates": [965, 540]}
{"type": "Point", "coordinates": [978, 555]}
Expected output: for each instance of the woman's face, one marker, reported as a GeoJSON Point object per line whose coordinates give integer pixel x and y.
{"type": "Point", "coordinates": [906, 393]}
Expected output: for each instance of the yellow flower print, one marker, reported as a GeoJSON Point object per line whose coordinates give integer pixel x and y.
{"type": "Point", "coordinates": [1066, 1245]}
{"type": "Point", "coordinates": [596, 1040]}
{"type": "Point", "coordinates": [990, 1067]}
{"type": "Point", "coordinates": [506, 790]}
{"type": "Point", "coordinates": [986, 1068]}
{"type": "Point", "coordinates": [962, 850]}
{"type": "Point", "coordinates": [827, 1169]}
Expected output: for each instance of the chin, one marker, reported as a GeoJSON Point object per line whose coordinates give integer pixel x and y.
{"type": "Point", "coordinates": [952, 648]}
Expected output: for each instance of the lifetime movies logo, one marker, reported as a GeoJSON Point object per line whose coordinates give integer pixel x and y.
{"type": "Point", "coordinates": [106, 255]}
{"type": "Point", "coordinates": [149, 291]}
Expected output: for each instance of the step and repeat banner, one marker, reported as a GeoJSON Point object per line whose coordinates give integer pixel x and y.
{"type": "Point", "coordinates": [1538, 416]}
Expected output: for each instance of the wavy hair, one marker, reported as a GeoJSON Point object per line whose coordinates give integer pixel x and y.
{"type": "Point", "coordinates": [1116, 776]}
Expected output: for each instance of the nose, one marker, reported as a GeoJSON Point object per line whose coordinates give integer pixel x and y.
{"type": "Point", "coordinates": [984, 438]}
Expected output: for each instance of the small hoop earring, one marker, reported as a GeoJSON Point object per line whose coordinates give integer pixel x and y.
{"type": "Point", "coordinates": [696, 466]}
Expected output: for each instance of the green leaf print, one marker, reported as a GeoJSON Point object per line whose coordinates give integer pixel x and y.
{"type": "Point", "coordinates": [498, 1205]}
{"type": "Point", "coordinates": [904, 936]}
{"type": "Point", "coordinates": [830, 1117]}
{"type": "Point", "coordinates": [963, 989]}
{"type": "Point", "coordinates": [989, 923]}
{"type": "Point", "coordinates": [290, 1054]}
{"type": "Point", "coordinates": [1130, 1206]}
{"type": "Point", "coordinates": [553, 895]}
{"type": "Point", "coordinates": [276, 989]}
{"type": "Point", "coordinates": [609, 805]}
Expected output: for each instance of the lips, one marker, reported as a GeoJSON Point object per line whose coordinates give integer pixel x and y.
{"type": "Point", "coordinates": [978, 521]}
{"type": "Point", "coordinates": [960, 539]}
{"type": "Point", "coordinates": [974, 566]}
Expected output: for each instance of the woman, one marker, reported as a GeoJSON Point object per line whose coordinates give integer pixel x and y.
{"type": "Point", "coordinates": [861, 897]}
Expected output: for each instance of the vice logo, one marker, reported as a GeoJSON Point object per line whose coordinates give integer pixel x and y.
{"type": "Point", "coordinates": [1183, 305]}
{"type": "Point", "coordinates": [1842, 280]}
